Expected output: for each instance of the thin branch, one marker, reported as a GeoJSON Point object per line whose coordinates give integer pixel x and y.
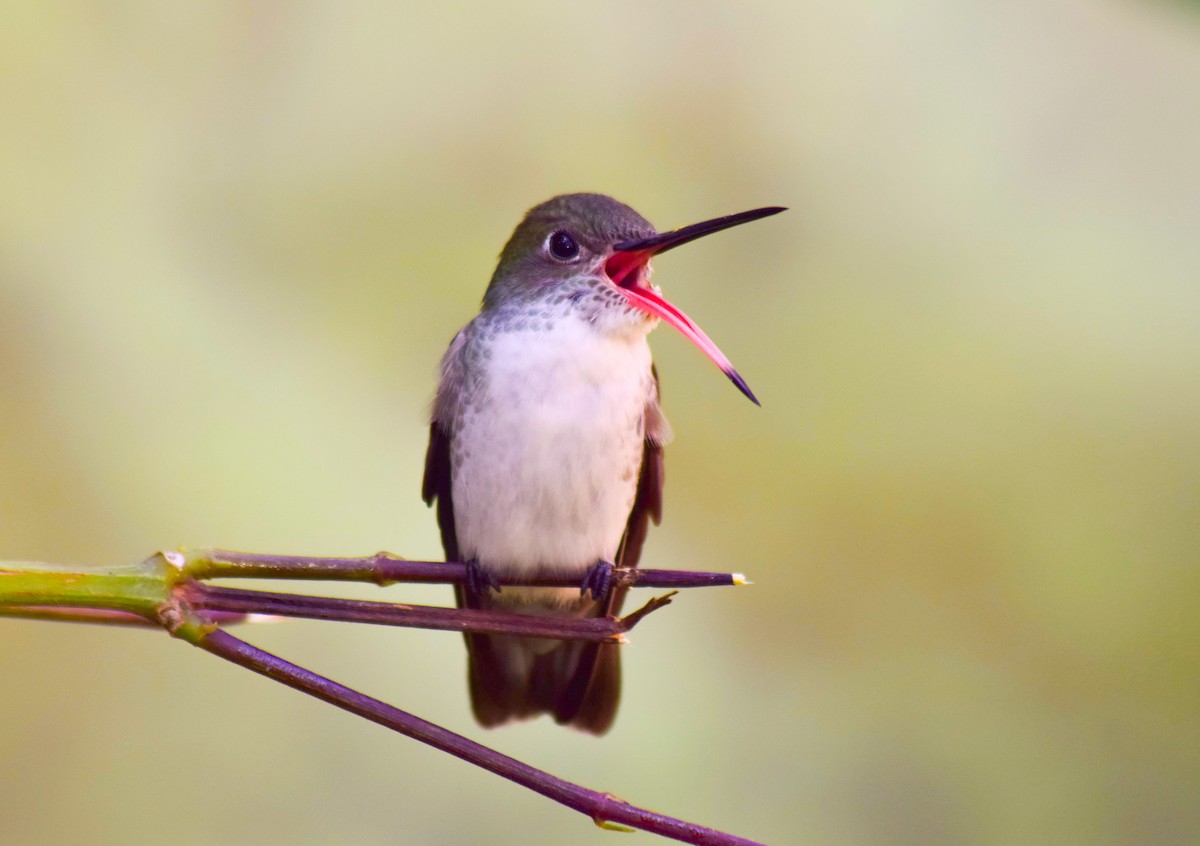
{"type": "Point", "coordinates": [109, 617]}
{"type": "Point", "coordinates": [78, 615]}
{"type": "Point", "coordinates": [209, 599]}
{"type": "Point", "coordinates": [603, 808]}
{"type": "Point", "coordinates": [384, 568]}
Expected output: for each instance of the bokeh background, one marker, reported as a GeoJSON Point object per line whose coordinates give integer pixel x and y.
{"type": "Point", "coordinates": [236, 238]}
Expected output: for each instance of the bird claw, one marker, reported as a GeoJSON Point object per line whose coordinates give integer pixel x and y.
{"type": "Point", "coordinates": [598, 580]}
{"type": "Point", "coordinates": [478, 579]}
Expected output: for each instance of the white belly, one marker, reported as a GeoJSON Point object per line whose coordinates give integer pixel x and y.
{"type": "Point", "coordinates": [545, 456]}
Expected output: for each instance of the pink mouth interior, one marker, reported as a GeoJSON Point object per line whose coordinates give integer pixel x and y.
{"type": "Point", "coordinates": [624, 269]}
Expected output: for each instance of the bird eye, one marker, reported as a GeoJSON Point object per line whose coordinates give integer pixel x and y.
{"type": "Point", "coordinates": [562, 246]}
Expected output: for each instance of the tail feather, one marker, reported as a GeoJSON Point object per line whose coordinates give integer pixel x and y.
{"type": "Point", "coordinates": [580, 687]}
{"type": "Point", "coordinates": [497, 693]}
{"type": "Point", "coordinates": [513, 678]}
{"type": "Point", "coordinates": [590, 700]}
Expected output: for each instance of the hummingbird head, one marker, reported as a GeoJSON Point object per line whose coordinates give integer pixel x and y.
{"type": "Point", "coordinates": [591, 253]}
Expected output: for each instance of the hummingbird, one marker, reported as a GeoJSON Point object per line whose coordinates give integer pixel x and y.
{"type": "Point", "coordinates": [546, 445]}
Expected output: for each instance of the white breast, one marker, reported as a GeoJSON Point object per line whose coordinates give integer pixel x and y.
{"type": "Point", "coordinates": [546, 453]}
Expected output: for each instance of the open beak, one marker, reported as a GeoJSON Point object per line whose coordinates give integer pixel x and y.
{"type": "Point", "coordinates": [629, 259]}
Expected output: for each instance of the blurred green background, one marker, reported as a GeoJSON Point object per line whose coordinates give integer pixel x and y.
{"type": "Point", "coordinates": [236, 238]}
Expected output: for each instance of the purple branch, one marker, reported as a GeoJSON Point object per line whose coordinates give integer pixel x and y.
{"type": "Point", "coordinates": [69, 614]}
{"type": "Point", "coordinates": [601, 807]}
{"type": "Point", "coordinates": [209, 599]}
{"type": "Point", "coordinates": [383, 568]}
{"type": "Point", "coordinates": [106, 616]}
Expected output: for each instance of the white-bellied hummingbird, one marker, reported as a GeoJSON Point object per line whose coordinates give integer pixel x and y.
{"type": "Point", "coordinates": [545, 448]}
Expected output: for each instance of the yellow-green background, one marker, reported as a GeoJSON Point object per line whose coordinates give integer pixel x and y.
{"type": "Point", "coordinates": [235, 239]}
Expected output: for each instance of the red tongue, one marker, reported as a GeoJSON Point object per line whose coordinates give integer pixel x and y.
{"type": "Point", "coordinates": [622, 269]}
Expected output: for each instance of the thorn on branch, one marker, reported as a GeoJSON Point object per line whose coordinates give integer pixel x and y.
{"type": "Point", "coordinates": [631, 620]}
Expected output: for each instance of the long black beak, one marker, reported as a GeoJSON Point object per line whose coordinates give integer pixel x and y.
{"type": "Point", "coordinates": [664, 241]}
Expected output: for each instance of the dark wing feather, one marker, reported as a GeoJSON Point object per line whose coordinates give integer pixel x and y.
{"type": "Point", "coordinates": [436, 485]}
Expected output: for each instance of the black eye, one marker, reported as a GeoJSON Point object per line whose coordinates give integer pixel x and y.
{"type": "Point", "coordinates": [563, 246]}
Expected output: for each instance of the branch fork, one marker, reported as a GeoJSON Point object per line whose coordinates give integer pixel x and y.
{"type": "Point", "coordinates": [169, 590]}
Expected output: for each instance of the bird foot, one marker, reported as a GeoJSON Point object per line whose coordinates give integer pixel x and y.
{"type": "Point", "coordinates": [479, 580]}
{"type": "Point", "coordinates": [598, 580]}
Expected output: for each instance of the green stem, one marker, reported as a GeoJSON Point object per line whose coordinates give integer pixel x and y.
{"type": "Point", "coordinates": [141, 589]}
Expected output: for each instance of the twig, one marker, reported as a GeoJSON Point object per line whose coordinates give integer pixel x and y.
{"type": "Point", "coordinates": [209, 599]}
{"type": "Point", "coordinates": [383, 568]}
{"type": "Point", "coordinates": [107, 617]}
{"type": "Point", "coordinates": [604, 808]}
{"type": "Point", "coordinates": [78, 615]}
